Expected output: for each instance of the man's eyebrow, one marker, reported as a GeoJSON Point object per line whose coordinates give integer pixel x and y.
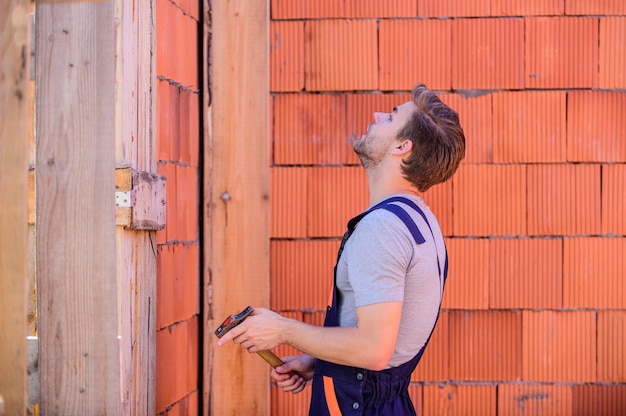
{"type": "Point", "coordinates": [395, 110]}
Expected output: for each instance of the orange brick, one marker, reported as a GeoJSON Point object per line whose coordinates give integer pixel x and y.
{"type": "Point", "coordinates": [452, 8]}
{"type": "Point", "coordinates": [161, 235]}
{"type": "Point", "coordinates": [191, 8]}
{"type": "Point", "coordinates": [433, 365]}
{"type": "Point", "coordinates": [563, 199]}
{"type": "Point", "coordinates": [526, 8]}
{"type": "Point", "coordinates": [475, 114]}
{"type": "Point", "coordinates": [453, 400]}
{"type": "Point", "coordinates": [288, 404]}
{"type": "Point", "coordinates": [174, 114]}
{"type": "Point", "coordinates": [286, 56]}
{"type": "Point", "coordinates": [187, 201]}
{"type": "Point", "coordinates": [416, 395]}
{"type": "Point", "coordinates": [301, 273]}
{"type": "Point", "coordinates": [177, 45]}
{"type": "Point", "coordinates": [379, 10]}
{"type": "Point", "coordinates": [614, 199]}
{"type": "Point", "coordinates": [192, 404]}
{"type": "Point", "coordinates": [170, 171]}
{"type": "Point", "coordinates": [611, 341]}
{"type": "Point", "coordinates": [184, 137]}
{"type": "Point", "coordinates": [467, 286]}
{"type": "Point", "coordinates": [361, 107]}
{"type": "Point", "coordinates": [529, 127]}
{"type": "Point", "coordinates": [559, 346]}
{"type": "Point", "coordinates": [164, 120]}
{"type": "Point", "coordinates": [401, 64]}
{"type": "Point", "coordinates": [596, 126]}
{"type": "Point", "coordinates": [485, 345]}
{"type": "Point", "coordinates": [311, 129]}
{"type": "Point", "coordinates": [188, 405]}
{"type": "Point", "coordinates": [187, 286]}
{"type": "Point", "coordinates": [487, 53]}
{"type": "Point", "coordinates": [177, 363]}
{"type": "Point", "coordinates": [439, 200]}
{"type": "Point", "coordinates": [164, 39]}
{"type": "Point", "coordinates": [166, 282]}
{"type": "Point", "coordinates": [335, 194]}
{"type": "Point", "coordinates": [178, 283]}
{"type": "Point", "coordinates": [168, 129]}
{"type": "Point", "coordinates": [489, 200]}
{"type": "Point", "coordinates": [597, 7]}
{"type": "Point", "coordinates": [593, 399]}
{"type": "Point", "coordinates": [612, 52]}
{"type": "Point", "coordinates": [299, 9]}
{"type": "Point", "coordinates": [341, 55]}
{"type": "Point", "coordinates": [561, 52]}
{"type": "Point", "coordinates": [593, 272]}
{"type": "Point", "coordinates": [525, 273]}
{"type": "Point", "coordinates": [188, 55]}
{"type": "Point", "coordinates": [541, 399]}
{"type": "Point", "coordinates": [288, 203]}
{"type": "Point", "coordinates": [195, 104]}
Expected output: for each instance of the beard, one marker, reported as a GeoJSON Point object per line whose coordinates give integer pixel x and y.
{"type": "Point", "coordinates": [367, 151]}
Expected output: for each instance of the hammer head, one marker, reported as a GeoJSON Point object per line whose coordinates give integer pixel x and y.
{"type": "Point", "coordinates": [232, 321]}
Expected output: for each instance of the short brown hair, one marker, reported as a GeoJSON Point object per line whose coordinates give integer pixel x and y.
{"type": "Point", "coordinates": [438, 140]}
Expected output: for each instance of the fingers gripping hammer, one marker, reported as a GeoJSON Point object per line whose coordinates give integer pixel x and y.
{"type": "Point", "coordinates": [234, 320]}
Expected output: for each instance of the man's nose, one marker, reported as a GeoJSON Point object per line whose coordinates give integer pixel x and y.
{"type": "Point", "coordinates": [379, 116]}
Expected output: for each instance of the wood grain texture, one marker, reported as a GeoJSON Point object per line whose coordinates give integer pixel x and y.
{"type": "Point", "coordinates": [76, 261]}
{"type": "Point", "coordinates": [236, 230]}
{"type": "Point", "coordinates": [14, 24]}
{"type": "Point", "coordinates": [135, 148]}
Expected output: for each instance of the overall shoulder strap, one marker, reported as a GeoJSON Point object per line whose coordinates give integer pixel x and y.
{"type": "Point", "coordinates": [389, 205]}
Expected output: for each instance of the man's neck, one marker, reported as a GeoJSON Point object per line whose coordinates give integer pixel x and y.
{"type": "Point", "coordinates": [384, 186]}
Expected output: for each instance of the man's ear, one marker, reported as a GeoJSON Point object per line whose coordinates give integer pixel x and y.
{"type": "Point", "coordinates": [403, 147]}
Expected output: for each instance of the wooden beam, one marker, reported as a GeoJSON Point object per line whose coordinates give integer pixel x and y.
{"type": "Point", "coordinates": [135, 146]}
{"type": "Point", "coordinates": [236, 231]}
{"type": "Point", "coordinates": [14, 70]}
{"type": "Point", "coordinates": [76, 267]}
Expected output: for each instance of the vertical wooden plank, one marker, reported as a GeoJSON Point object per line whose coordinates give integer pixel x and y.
{"type": "Point", "coordinates": [75, 125]}
{"type": "Point", "coordinates": [136, 265]}
{"type": "Point", "coordinates": [236, 198]}
{"type": "Point", "coordinates": [14, 70]}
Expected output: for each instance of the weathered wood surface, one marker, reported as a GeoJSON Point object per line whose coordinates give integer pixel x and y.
{"type": "Point", "coordinates": [135, 147]}
{"type": "Point", "coordinates": [76, 262]}
{"type": "Point", "coordinates": [14, 111]}
{"type": "Point", "coordinates": [236, 231]}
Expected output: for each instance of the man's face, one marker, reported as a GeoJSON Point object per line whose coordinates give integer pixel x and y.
{"type": "Point", "coordinates": [373, 146]}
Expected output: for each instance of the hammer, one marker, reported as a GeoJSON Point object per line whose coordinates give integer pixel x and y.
{"type": "Point", "coordinates": [234, 320]}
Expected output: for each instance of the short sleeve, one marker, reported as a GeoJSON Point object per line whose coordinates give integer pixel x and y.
{"type": "Point", "coordinates": [378, 255]}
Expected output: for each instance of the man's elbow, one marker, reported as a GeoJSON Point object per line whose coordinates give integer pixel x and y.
{"type": "Point", "coordinates": [377, 360]}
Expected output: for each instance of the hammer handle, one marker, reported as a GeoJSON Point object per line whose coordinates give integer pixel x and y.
{"type": "Point", "coordinates": [272, 359]}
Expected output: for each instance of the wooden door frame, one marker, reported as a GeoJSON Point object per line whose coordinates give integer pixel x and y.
{"type": "Point", "coordinates": [236, 197]}
{"type": "Point", "coordinates": [14, 42]}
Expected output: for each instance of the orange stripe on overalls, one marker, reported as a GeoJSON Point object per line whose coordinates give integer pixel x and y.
{"type": "Point", "coordinates": [331, 397]}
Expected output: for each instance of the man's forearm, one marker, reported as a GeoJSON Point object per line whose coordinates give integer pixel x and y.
{"type": "Point", "coordinates": [369, 345]}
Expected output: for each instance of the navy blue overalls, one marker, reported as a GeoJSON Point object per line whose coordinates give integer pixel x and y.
{"type": "Point", "coordinates": [345, 390]}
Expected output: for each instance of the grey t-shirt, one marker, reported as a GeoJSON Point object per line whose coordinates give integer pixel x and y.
{"type": "Point", "coordinates": [381, 262]}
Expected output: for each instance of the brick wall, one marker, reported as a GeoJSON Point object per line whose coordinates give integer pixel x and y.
{"type": "Point", "coordinates": [534, 313]}
{"type": "Point", "coordinates": [178, 245]}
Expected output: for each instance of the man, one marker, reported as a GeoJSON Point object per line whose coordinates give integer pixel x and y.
{"type": "Point", "coordinates": [389, 275]}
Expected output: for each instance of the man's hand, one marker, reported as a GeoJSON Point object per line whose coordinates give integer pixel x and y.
{"type": "Point", "coordinates": [302, 364]}
{"type": "Point", "coordinates": [260, 331]}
